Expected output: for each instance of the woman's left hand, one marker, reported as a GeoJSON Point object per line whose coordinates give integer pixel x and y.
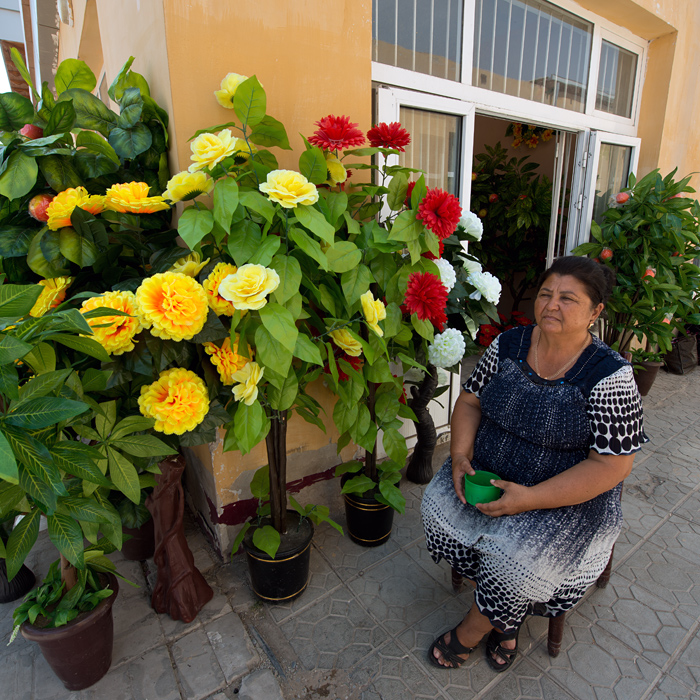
{"type": "Point", "coordinates": [515, 499]}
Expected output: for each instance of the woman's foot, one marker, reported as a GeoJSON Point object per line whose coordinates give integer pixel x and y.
{"type": "Point", "coordinates": [448, 650]}
{"type": "Point", "coordinates": [501, 650]}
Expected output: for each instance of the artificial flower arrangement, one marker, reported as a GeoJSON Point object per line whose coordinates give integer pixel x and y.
{"type": "Point", "coordinates": [528, 134]}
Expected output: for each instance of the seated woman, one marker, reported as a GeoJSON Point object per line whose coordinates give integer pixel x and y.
{"type": "Point", "coordinates": [556, 414]}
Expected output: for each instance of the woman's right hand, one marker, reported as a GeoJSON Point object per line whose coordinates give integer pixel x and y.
{"type": "Point", "coordinates": [461, 466]}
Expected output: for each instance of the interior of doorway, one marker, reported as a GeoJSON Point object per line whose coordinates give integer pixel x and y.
{"type": "Point", "coordinates": [533, 179]}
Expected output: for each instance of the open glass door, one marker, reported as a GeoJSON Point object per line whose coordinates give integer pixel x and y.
{"type": "Point", "coordinates": [442, 138]}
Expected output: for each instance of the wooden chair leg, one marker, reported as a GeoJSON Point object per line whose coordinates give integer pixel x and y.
{"type": "Point", "coordinates": [555, 634]}
{"type": "Point", "coordinates": [456, 581]}
{"type": "Point", "coordinates": [604, 578]}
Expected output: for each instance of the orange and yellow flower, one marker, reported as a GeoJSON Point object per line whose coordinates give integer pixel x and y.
{"type": "Point", "coordinates": [219, 305]}
{"type": "Point", "coordinates": [132, 197]}
{"type": "Point", "coordinates": [226, 358]}
{"type": "Point", "coordinates": [52, 294]}
{"type": "Point", "coordinates": [177, 402]}
{"type": "Point", "coordinates": [172, 305]}
{"type": "Point", "coordinates": [62, 205]}
{"type": "Point", "coordinates": [117, 337]}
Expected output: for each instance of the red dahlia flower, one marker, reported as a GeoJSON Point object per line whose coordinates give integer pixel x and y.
{"type": "Point", "coordinates": [389, 136]}
{"type": "Point", "coordinates": [336, 133]}
{"type": "Point", "coordinates": [409, 192]}
{"type": "Point", "coordinates": [430, 256]}
{"type": "Point", "coordinates": [426, 297]}
{"type": "Point", "coordinates": [440, 212]}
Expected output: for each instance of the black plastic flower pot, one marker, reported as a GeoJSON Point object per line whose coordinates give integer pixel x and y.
{"type": "Point", "coordinates": [369, 522]}
{"type": "Point", "coordinates": [286, 576]}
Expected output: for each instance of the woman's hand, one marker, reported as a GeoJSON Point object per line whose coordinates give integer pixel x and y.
{"type": "Point", "coordinates": [515, 499]}
{"type": "Point", "coordinates": [461, 466]}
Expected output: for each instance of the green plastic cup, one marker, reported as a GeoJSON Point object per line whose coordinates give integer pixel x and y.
{"type": "Point", "coordinates": [478, 488]}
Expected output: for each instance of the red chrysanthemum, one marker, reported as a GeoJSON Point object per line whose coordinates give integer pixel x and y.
{"type": "Point", "coordinates": [430, 256]}
{"type": "Point", "coordinates": [336, 133]}
{"type": "Point", "coordinates": [409, 192]}
{"type": "Point", "coordinates": [426, 296]}
{"type": "Point", "coordinates": [486, 334]}
{"type": "Point", "coordinates": [389, 136]}
{"type": "Point", "coordinates": [440, 212]}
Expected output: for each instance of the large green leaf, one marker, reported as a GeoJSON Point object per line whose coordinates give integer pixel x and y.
{"type": "Point", "coordinates": [128, 143]}
{"type": "Point", "coordinates": [131, 424]}
{"type": "Point", "coordinates": [90, 112]}
{"type": "Point", "coordinates": [124, 475]}
{"type": "Point", "coordinates": [106, 419]}
{"type": "Point", "coordinates": [143, 446]}
{"type": "Point", "coordinates": [282, 398]}
{"type": "Point", "coordinates": [125, 79]}
{"type": "Point", "coordinates": [194, 224]}
{"type": "Point", "coordinates": [355, 283]}
{"type": "Point", "coordinates": [59, 172]}
{"type": "Point", "coordinates": [309, 246]}
{"type": "Point", "coordinates": [9, 382]}
{"type": "Point", "coordinates": [35, 457]}
{"type": "Point", "coordinates": [10, 496]}
{"type": "Point", "coordinates": [78, 459]}
{"type": "Point", "coordinates": [84, 345]}
{"type": "Point", "coordinates": [131, 106]}
{"type": "Point", "coordinates": [39, 264]}
{"type": "Point", "coordinates": [44, 384]}
{"type": "Point", "coordinates": [248, 424]}
{"type": "Point", "coordinates": [345, 415]}
{"type": "Point", "coordinates": [392, 496]}
{"type": "Point", "coordinates": [225, 202]}
{"type": "Point", "coordinates": [15, 111]}
{"type": "Point", "coordinates": [86, 509]}
{"type": "Point", "coordinates": [316, 223]}
{"type": "Point", "coordinates": [254, 200]}
{"type": "Point", "coordinates": [267, 540]}
{"type": "Point", "coordinates": [269, 132]}
{"type": "Point", "coordinates": [271, 353]}
{"type": "Point", "coordinates": [312, 165]}
{"type": "Point", "coordinates": [398, 188]}
{"type": "Point", "coordinates": [406, 227]}
{"type": "Point", "coordinates": [243, 241]}
{"type": "Point", "coordinates": [19, 175]}
{"type": "Point", "coordinates": [17, 300]}
{"type": "Point", "coordinates": [289, 271]}
{"type": "Point", "coordinates": [37, 489]}
{"type": "Point", "coordinates": [344, 257]}
{"type": "Point", "coordinates": [44, 411]}
{"type": "Point", "coordinates": [8, 464]}
{"type": "Point", "coordinates": [21, 541]}
{"type": "Point", "coordinates": [92, 165]}
{"type": "Point", "coordinates": [95, 143]}
{"type": "Point", "coordinates": [80, 250]}
{"type": "Point", "coordinates": [12, 349]}
{"type": "Point", "coordinates": [61, 120]}
{"type": "Point", "coordinates": [73, 73]}
{"type": "Point", "coordinates": [15, 240]}
{"type": "Point", "coordinates": [280, 323]}
{"type": "Point", "coordinates": [395, 445]}
{"type": "Point", "coordinates": [250, 102]}
{"type": "Point", "coordinates": [67, 537]}
{"type": "Point", "coordinates": [305, 349]}
{"type": "Point", "coordinates": [266, 251]}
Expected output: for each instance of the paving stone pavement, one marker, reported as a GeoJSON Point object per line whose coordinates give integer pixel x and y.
{"type": "Point", "coordinates": [362, 628]}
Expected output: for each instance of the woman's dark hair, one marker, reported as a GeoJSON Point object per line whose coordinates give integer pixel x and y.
{"type": "Point", "coordinates": [598, 279]}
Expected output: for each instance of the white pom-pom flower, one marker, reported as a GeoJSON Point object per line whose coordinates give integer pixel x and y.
{"type": "Point", "coordinates": [486, 285]}
{"type": "Point", "coordinates": [448, 276]}
{"type": "Point", "coordinates": [472, 224]}
{"type": "Point", "coordinates": [471, 266]}
{"type": "Point", "coordinates": [447, 348]}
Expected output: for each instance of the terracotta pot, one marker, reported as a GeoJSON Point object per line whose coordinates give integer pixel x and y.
{"type": "Point", "coordinates": [21, 584]}
{"type": "Point", "coordinates": [645, 375]}
{"type": "Point", "coordinates": [142, 544]}
{"type": "Point", "coordinates": [286, 576]}
{"type": "Point", "coordinates": [80, 653]}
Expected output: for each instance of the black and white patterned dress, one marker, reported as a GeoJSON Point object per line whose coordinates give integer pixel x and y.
{"type": "Point", "coordinates": [541, 561]}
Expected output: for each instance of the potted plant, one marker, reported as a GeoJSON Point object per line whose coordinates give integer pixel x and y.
{"type": "Point", "coordinates": [649, 237]}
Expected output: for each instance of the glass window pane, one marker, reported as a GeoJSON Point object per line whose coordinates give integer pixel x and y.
{"type": "Point", "coordinates": [616, 78]}
{"type": "Point", "coordinates": [612, 175]}
{"type": "Point", "coordinates": [421, 36]}
{"type": "Point", "coordinates": [532, 49]}
{"type": "Point", "coordinates": [435, 147]}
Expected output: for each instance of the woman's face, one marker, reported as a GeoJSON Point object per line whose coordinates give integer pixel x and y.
{"type": "Point", "coordinates": [563, 306]}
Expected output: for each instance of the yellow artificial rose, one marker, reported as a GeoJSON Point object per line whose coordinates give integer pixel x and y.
{"type": "Point", "coordinates": [185, 186]}
{"type": "Point", "coordinates": [191, 265]}
{"type": "Point", "coordinates": [229, 85]}
{"type": "Point", "coordinates": [178, 401]}
{"type": "Point", "coordinates": [132, 197]}
{"type": "Point", "coordinates": [117, 337]}
{"type": "Point", "coordinates": [336, 171]}
{"type": "Point", "coordinates": [374, 312]}
{"type": "Point", "coordinates": [52, 294]}
{"type": "Point", "coordinates": [247, 380]}
{"type": "Point", "coordinates": [210, 149]}
{"type": "Point", "coordinates": [219, 305]}
{"type": "Point", "coordinates": [249, 286]}
{"type": "Point", "coordinates": [226, 358]}
{"type": "Point", "coordinates": [289, 188]}
{"type": "Point", "coordinates": [173, 305]}
{"type": "Point", "coordinates": [346, 342]}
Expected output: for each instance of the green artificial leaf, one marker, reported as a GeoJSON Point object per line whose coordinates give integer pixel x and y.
{"type": "Point", "coordinates": [17, 300]}
{"type": "Point", "coordinates": [392, 496]}
{"type": "Point", "coordinates": [73, 73]}
{"type": "Point", "coordinates": [260, 484]}
{"type": "Point", "coordinates": [41, 359]}
{"type": "Point", "coordinates": [35, 457]}
{"type": "Point", "coordinates": [143, 446]}
{"type": "Point", "coordinates": [266, 251]}
{"type": "Point", "coordinates": [9, 382]}
{"type": "Point", "coordinates": [37, 489]}
{"type": "Point", "coordinates": [90, 112]}
{"type": "Point", "coordinates": [128, 143]}
{"type": "Point", "coordinates": [423, 328]}
{"type": "Point", "coordinates": [212, 331]}
{"type": "Point", "coordinates": [344, 257]}
{"type": "Point", "coordinates": [76, 248]}
{"type": "Point", "coordinates": [395, 445]}
{"type": "Point", "coordinates": [39, 264]}
{"type": "Point", "coordinates": [15, 111]}
{"type": "Point", "coordinates": [281, 325]}
{"type": "Point", "coordinates": [337, 205]}
{"type": "Point", "coordinates": [14, 241]}
{"type": "Point", "coordinates": [406, 228]}
{"type": "Point", "coordinates": [61, 120]}
{"type": "Point", "coordinates": [243, 241]}
{"type": "Point", "coordinates": [345, 415]}
{"type": "Point", "coordinates": [358, 484]}
{"type": "Point", "coordinates": [41, 412]}
{"type": "Point", "coordinates": [309, 246]}
{"type": "Point", "coordinates": [248, 424]}
{"type": "Point", "coordinates": [84, 345]}
{"type": "Point", "coordinates": [8, 464]}
{"type": "Point", "coordinates": [250, 102]}
{"type": "Point", "coordinates": [79, 460]}
{"type": "Point", "coordinates": [44, 384]}
{"type": "Point", "coordinates": [355, 283]}
{"type": "Point", "coordinates": [313, 220]}
{"type": "Point", "coordinates": [393, 321]}
{"type": "Point", "coordinates": [378, 372]}
{"type": "Point", "coordinates": [282, 398]}
{"type": "Point", "coordinates": [131, 106]}
{"type": "Point", "coordinates": [21, 541]}
{"type": "Point", "coordinates": [95, 143]}
{"type": "Point", "coordinates": [12, 349]}
{"type": "Point", "coordinates": [289, 271]}
{"type": "Point", "coordinates": [386, 407]}
{"type": "Point", "coordinates": [106, 418]}
{"type": "Point", "coordinates": [85, 509]}
{"type": "Point", "coordinates": [305, 349]}
{"type": "Point", "coordinates": [125, 79]}
{"type": "Point", "coordinates": [131, 424]}
{"type": "Point", "coordinates": [267, 539]}
{"type": "Point", "coordinates": [67, 537]}
{"type": "Point", "coordinates": [124, 475]}
{"type": "Point", "coordinates": [93, 165]}
{"type": "Point", "coordinates": [96, 380]}
{"type": "Point", "coordinates": [225, 201]}
{"type": "Point", "coordinates": [269, 132]}
{"type": "Point", "coordinates": [253, 200]}
{"type": "Point", "coordinates": [19, 175]}
{"type": "Point", "coordinates": [312, 165]}
{"type": "Point", "coordinates": [398, 189]}
{"type": "Point", "coordinates": [271, 353]}
{"type": "Point", "coordinates": [59, 172]}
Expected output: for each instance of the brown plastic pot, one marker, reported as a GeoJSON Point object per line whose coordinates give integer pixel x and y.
{"type": "Point", "coordinates": [645, 375]}
{"type": "Point", "coordinates": [79, 653]}
{"type": "Point", "coordinates": [142, 544]}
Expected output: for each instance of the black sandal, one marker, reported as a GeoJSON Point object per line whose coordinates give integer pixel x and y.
{"type": "Point", "coordinates": [494, 647]}
{"type": "Point", "coordinates": [450, 650]}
